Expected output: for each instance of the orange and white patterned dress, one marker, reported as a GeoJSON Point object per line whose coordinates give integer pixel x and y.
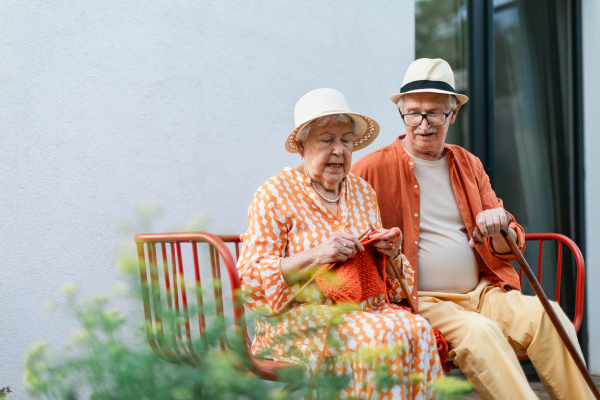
{"type": "Point", "coordinates": [287, 217]}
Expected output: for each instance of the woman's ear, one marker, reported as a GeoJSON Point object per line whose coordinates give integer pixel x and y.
{"type": "Point", "coordinates": [300, 146]}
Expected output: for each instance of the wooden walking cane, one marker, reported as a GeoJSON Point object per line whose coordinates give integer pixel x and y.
{"type": "Point", "coordinates": [549, 310]}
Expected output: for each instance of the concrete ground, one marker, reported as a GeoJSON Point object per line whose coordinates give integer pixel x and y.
{"type": "Point", "coordinates": [534, 382]}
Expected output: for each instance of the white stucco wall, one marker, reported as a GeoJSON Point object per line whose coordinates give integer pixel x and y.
{"type": "Point", "coordinates": [183, 103]}
{"type": "Point", "coordinates": [591, 101]}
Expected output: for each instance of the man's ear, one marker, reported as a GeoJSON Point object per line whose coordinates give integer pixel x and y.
{"type": "Point", "coordinates": [454, 112]}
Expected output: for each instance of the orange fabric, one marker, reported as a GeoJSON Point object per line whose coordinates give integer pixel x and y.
{"type": "Point", "coordinates": [442, 348]}
{"type": "Point", "coordinates": [364, 276]}
{"type": "Point", "coordinates": [389, 171]}
{"type": "Point", "coordinates": [286, 217]}
{"type": "Point", "coordinates": [358, 278]}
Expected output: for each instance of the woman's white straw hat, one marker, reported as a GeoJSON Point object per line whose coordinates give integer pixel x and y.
{"type": "Point", "coordinates": [429, 75]}
{"type": "Point", "coordinates": [322, 102]}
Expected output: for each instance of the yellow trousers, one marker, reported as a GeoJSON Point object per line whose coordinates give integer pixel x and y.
{"type": "Point", "coordinates": [487, 327]}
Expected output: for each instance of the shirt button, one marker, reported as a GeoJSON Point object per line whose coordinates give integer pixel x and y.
{"type": "Point", "coordinates": [414, 297]}
{"type": "Point", "coordinates": [416, 242]}
{"type": "Point", "coordinates": [411, 163]}
{"type": "Point", "coordinates": [416, 186]}
{"type": "Point", "coordinates": [416, 215]}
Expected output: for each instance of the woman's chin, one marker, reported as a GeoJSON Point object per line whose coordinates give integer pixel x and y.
{"type": "Point", "coordinates": [332, 182]}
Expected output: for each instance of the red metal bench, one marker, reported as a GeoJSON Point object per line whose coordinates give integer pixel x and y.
{"type": "Point", "coordinates": [166, 259]}
{"type": "Point", "coordinates": [564, 248]}
{"type": "Point", "coordinates": [175, 288]}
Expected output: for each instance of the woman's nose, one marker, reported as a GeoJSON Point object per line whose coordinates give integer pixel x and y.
{"type": "Point", "coordinates": [338, 147]}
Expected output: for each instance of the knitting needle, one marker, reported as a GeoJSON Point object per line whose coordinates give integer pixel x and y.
{"type": "Point", "coordinates": [291, 300]}
{"type": "Point", "coordinates": [402, 283]}
{"type": "Point", "coordinates": [403, 286]}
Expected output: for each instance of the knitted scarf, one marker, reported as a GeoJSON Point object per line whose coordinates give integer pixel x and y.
{"type": "Point", "coordinates": [365, 276]}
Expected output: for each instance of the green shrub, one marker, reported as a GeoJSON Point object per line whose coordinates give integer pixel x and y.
{"type": "Point", "coordinates": [108, 357]}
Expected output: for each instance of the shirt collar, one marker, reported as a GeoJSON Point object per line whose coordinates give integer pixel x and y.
{"type": "Point", "coordinates": [406, 158]}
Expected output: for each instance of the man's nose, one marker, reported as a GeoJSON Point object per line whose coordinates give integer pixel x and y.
{"type": "Point", "coordinates": [424, 124]}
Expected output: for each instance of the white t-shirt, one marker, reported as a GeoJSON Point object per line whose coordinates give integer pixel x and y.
{"type": "Point", "coordinates": [445, 262]}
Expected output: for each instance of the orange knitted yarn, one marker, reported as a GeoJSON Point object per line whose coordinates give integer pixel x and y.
{"type": "Point", "coordinates": [442, 348]}
{"type": "Point", "coordinates": [357, 279]}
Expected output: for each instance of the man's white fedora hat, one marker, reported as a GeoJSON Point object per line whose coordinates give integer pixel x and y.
{"type": "Point", "coordinates": [429, 75]}
{"type": "Point", "coordinates": [322, 102]}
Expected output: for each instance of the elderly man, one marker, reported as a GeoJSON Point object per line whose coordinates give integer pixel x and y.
{"type": "Point", "coordinates": [437, 193]}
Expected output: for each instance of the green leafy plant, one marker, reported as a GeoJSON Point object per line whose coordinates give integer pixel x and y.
{"type": "Point", "coordinates": [108, 357]}
{"type": "Point", "coordinates": [4, 391]}
{"type": "Point", "coordinates": [101, 361]}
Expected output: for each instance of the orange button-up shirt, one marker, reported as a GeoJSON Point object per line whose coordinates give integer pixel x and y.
{"type": "Point", "coordinates": [389, 170]}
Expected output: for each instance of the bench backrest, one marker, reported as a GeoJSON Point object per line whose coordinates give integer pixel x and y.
{"type": "Point", "coordinates": [184, 300]}
{"type": "Point", "coordinates": [565, 248]}
{"type": "Point", "coordinates": [181, 301]}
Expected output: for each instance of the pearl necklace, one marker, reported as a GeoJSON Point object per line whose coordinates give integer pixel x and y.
{"type": "Point", "coordinates": [319, 192]}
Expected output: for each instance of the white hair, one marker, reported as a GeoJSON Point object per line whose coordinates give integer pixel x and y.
{"type": "Point", "coordinates": [451, 101]}
{"type": "Point", "coordinates": [326, 120]}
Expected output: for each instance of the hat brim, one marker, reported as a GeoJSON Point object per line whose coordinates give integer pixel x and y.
{"type": "Point", "coordinates": [367, 127]}
{"type": "Point", "coordinates": [462, 99]}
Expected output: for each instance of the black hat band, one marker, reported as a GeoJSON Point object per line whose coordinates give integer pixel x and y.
{"type": "Point", "coordinates": [425, 84]}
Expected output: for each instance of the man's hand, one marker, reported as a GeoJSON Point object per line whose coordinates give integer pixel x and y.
{"type": "Point", "coordinates": [488, 224]}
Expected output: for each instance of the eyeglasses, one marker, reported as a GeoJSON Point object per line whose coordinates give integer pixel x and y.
{"type": "Point", "coordinates": [434, 119]}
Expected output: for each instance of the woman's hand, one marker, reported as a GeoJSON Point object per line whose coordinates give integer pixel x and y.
{"type": "Point", "coordinates": [340, 246]}
{"type": "Point", "coordinates": [389, 243]}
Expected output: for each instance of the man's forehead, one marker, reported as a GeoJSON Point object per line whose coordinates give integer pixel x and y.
{"type": "Point", "coordinates": [426, 100]}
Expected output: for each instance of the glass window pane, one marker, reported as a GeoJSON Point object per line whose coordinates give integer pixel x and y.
{"type": "Point", "coordinates": [441, 32]}
{"type": "Point", "coordinates": [523, 154]}
{"type": "Point", "coordinates": [503, 3]}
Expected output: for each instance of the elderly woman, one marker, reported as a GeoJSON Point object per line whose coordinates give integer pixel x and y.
{"type": "Point", "coordinates": [312, 215]}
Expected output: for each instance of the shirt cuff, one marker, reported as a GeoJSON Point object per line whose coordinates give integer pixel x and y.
{"type": "Point", "coordinates": [520, 243]}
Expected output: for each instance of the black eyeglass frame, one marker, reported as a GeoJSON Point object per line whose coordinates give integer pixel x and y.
{"type": "Point", "coordinates": [426, 116]}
